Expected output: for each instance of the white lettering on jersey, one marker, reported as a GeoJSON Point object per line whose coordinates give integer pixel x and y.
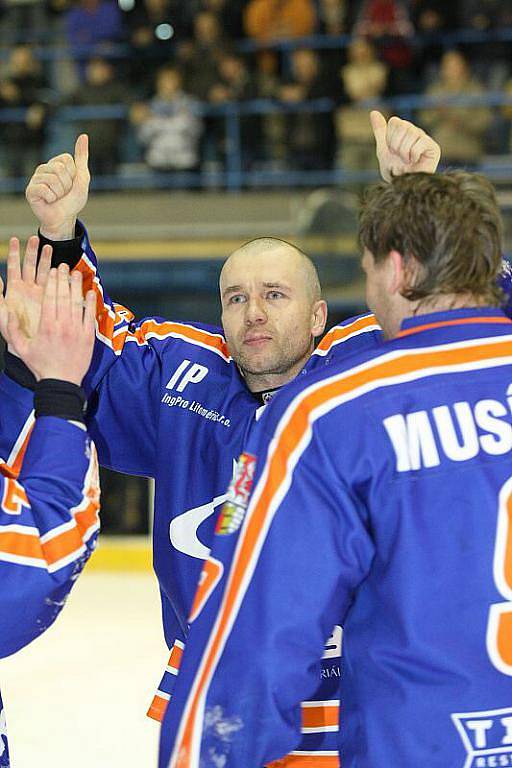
{"type": "Point", "coordinates": [183, 528]}
{"type": "Point", "coordinates": [333, 645]}
{"type": "Point", "coordinates": [487, 737]}
{"type": "Point", "coordinates": [421, 438]}
{"type": "Point", "coordinates": [186, 373]}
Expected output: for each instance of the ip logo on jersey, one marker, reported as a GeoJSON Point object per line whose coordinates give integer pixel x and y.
{"type": "Point", "coordinates": [487, 737]}
{"type": "Point", "coordinates": [233, 511]}
{"type": "Point", "coordinates": [186, 373]}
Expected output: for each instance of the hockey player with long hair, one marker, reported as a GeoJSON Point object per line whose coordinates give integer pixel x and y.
{"type": "Point", "coordinates": [176, 401]}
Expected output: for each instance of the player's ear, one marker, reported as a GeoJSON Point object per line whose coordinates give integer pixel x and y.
{"type": "Point", "coordinates": [319, 318]}
{"type": "Point", "coordinates": [397, 272]}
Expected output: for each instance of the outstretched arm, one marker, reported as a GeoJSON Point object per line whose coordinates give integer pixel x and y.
{"type": "Point", "coordinates": [49, 510]}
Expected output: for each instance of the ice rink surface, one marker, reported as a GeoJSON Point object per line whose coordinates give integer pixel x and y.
{"type": "Point", "coordinates": [77, 697]}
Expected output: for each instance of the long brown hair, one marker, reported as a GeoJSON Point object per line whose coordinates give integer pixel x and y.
{"type": "Point", "coordinates": [450, 223]}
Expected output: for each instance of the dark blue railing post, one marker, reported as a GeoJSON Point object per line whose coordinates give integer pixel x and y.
{"type": "Point", "coordinates": [234, 161]}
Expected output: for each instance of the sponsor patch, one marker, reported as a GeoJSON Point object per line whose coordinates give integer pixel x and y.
{"type": "Point", "coordinates": [487, 737]}
{"type": "Point", "coordinates": [233, 511]}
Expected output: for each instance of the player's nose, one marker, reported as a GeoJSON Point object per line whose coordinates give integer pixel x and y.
{"type": "Point", "coordinates": [255, 312]}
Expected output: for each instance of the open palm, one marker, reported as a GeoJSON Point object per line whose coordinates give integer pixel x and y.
{"type": "Point", "coordinates": [25, 285]}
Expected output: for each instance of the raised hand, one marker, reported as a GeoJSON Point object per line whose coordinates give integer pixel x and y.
{"type": "Point", "coordinates": [25, 285]}
{"type": "Point", "coordinates": [58, 191]}
{"type": "Point", "coordinates": [402, 147]}
{"type": "Point", "coordinates": [63, 343]}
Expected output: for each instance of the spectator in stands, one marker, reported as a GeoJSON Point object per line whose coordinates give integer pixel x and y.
{"type": "Point", "coordinates": [310, 136]}
{"type": "Point", "coordinates": [91, 26]}
{"type": "Point", "coordinates": [155, 27]}
{"type": "Point", "coordinates": [169, 126]}
{"type": "Point", "coordinates": [383, 18]}
{"type": "Point", "coordinates": [332, 17]}
{"type": "Point", "coordinates": [363, 78]}
{"type": "Point", "coordinates": [23, 87]}
{"type": "Point", "coordinates": [490, 59]}
{"type": "Point", "coordinates": [279, 19]}
{"type": "Point", "coordinates": [102, 87]}
{"type": "Point", "coordinates": [460, 130]}
{"type": "Point", "coordinates": [431, 18]}
{"type": "Point", "coordinates": [388, 24]}
{"type": "Point", "coordinates": [198, 58]}
{"type": "Point", "coordinates": [485, 14]}
{"type": "Point", "coordinates": [230, 15]}
{"type": "Point", "coordinates": [236, 83]}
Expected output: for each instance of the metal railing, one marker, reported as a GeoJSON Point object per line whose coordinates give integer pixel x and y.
{"type": "Point", "coordinates": [234, 177]}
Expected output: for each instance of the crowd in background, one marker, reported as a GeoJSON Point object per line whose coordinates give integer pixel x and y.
{"type": "Point", "coordinates": [165, 60]}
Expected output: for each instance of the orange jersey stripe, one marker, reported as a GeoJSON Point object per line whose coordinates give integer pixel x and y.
{"type": "Point", "coordinates": [375, 373]}
{"type": "Point", "coordinates": [21, 544]}
{"type": "Point", "coordinates": [107, 319]}
{"type": "Point", "coordinates": [307, 761]}
{"type": "Point", "coordinates": [340, 333]}
{"type": "Point", "coordinates": [321, 716]}
{"type": "Point", "coordinates": [195, 335]}
{"type": "Point", "coordinates": [158, 708]}
{"type": "Point", "coordinates": [54, 547]}
{"type": "Point", "coordinates": [460, 321]}
{"type": "Point", "coordinates": [159, 703]}
{"type": "Point", "coordinates": [176, 656]}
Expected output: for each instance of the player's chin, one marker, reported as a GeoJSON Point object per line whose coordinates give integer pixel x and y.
{"type": "Point", "coordinates": [257, 363]}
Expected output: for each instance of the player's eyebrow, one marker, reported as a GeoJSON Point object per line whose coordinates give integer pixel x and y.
{"type": "Point", "coordinates": [231, 289]}
{"type": "Point", "coordinates": [283, 286]}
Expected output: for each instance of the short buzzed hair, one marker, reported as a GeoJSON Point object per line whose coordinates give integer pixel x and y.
{"type": "Point", "coordinates": [259, 244]}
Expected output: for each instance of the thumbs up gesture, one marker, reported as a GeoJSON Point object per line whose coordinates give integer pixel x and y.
{"type": "Point", "coordinates": [58, 191]}
{"type": "Point", "coordinates": [402, 147]}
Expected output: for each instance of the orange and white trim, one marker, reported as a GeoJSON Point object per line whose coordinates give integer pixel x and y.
{"type": "Point", "coordinates": [63, 544]}
{"type": "Point", "coordinates": [320, 759]}
{"type": "Point", "coordinates": [320, 716]}
{"type": "Point", "coordinates": [291, 438]}
{"type": "Point", "coordinates": [159, 706]}
{"type": "Point", "coordinates": [341, 333]}
{"type": "Point", "coordinates": [151, 329]}
{"type": "Point", "coordinates": [161, 699]}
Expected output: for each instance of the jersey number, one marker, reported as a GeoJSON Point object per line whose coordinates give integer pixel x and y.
{"type": "Point", "coordinates": [499, 628]}
{"type": "Point", "coordinates": [14, 497]}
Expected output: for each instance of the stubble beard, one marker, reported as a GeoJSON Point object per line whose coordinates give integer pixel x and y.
{"type": "Point", "coordinates": [276, 364]}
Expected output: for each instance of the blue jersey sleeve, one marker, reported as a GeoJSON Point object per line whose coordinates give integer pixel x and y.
{"type": "Point", "coordinates": [48, 528]}
{"type": "Point", "coordinates": [122, 385]}
{"type": "Point", "coordinates": [288, 554]}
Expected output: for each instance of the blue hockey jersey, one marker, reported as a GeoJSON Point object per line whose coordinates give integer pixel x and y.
{"type": "Point", "coordinates": [49, 522]}
{"type": "Point", "coordinates": [402, 532]}
{"type": "Point", "coordinates": [167, 401]}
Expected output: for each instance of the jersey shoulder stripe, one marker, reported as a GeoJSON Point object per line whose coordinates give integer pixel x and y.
{"type": "Point", "coordinates": [108, 317]}
{"type": "Point", "coordinates": [345, 331]}
{"type": "Point", "coordinates": [192, 334]}
{"type": "Point", "coordinates": [292, 435]}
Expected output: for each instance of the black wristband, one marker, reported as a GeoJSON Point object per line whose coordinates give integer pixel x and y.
{"type": "Point", "coordinates": [53, 397]}
{"type": "Point", "coordinates": [64, 251]}
{"type": "Point", "coordinates": [18, 371]}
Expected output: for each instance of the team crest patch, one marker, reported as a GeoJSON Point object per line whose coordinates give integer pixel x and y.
{"type": "Point", "coordinates": [487, 737]}
{"type": "Point", "coordinates": [233, 511]}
